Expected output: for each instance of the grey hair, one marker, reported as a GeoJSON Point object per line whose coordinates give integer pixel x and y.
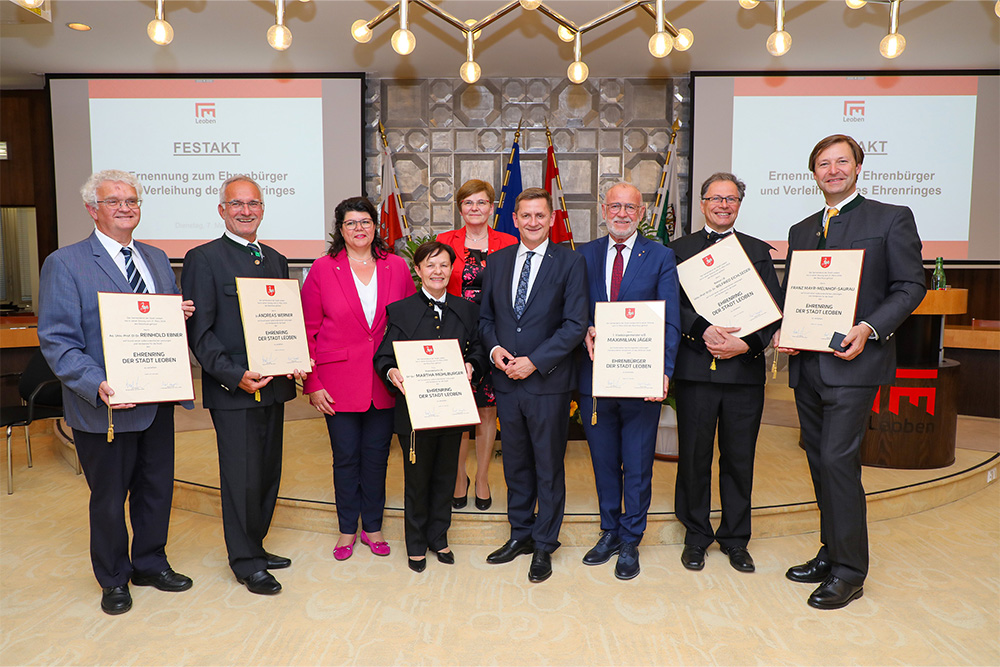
{"type": "Point", "coordinates": [89, 189]}
{"type": "Point", "coordinates": [237, 178]}
{"type": "Point", "coordinates": [621, 184]}
{"type": "Point", "coordinates": [724, 176]}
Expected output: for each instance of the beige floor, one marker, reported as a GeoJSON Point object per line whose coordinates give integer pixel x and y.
{"type": "Point", "coordinates": [931, 599]}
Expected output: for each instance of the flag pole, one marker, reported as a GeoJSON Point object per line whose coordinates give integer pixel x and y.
{"type": "Point", "coordinates": [663, 175]}
{"type": "Point", "coordinates": [399, 202]}
{"type": "Point", "coordinates": [506, 175]}
{"type": "Point", "coordinates": [562, 197]}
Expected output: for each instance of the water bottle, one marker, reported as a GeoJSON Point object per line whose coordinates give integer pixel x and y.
{"type": "Point", "coordinates": [937, 278]}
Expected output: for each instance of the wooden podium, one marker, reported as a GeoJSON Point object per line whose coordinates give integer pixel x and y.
{"type": "Point", "coordinates": [912, 423]}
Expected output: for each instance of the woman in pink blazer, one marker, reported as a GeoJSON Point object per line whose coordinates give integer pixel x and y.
{"type": "Point", "coordinates": [343, 300]}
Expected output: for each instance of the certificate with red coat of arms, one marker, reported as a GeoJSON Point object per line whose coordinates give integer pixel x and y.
{"type": "Point", "coordinates": [628, 348]}
{"type": "Point", "coordinates": [725, 288]}
{"type": "Point", "coordinates": [145, 347]}
{"type": "Point", "coordinates": [273, 326]}
{"type": "Point", "coordinates": [821, 297]}
{"type": "Point", "coordinates": [438, 393]}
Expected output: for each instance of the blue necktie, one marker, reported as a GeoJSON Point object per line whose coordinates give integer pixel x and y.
{"type": "Point", "coordinates": [132, 273]}
{"type": "Point", "coordinates": [522, 286]}
{"type": "Point", "coordinates": [254, 250]}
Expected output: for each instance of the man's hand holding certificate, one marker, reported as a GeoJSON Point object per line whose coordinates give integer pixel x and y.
{"type": "Point", "coordinates": [628, 348]}
{"type": "Point", "coordinates": [821, 296]}
{"type": "Point", "coordinates": [273, 325]}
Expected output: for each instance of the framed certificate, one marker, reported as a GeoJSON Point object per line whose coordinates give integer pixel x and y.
{"type": "Point", "coordinates": [628, 349]}
{"type": "Point", "coordinates": [145, 347]}
{"type": "Point", "coordinates": [821, 297]}
{"type": "Point", "coordinates": [438, 393]}
{"type": "Point", "coordinates": [724, 288]}
{"type": "Point", "coordinates": [273, 326]}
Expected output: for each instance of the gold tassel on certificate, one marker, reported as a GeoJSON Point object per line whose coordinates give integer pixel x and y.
{"type": "Point", "coordinates": [111, 426]}
{"type": "Point", "coordinates": [712, 367]}
{"type": "Point", "coordinates": [413, 446]}
{"type": "Point", "coordinates": [593, 417]}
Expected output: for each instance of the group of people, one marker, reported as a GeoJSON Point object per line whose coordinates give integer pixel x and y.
{"type": "Point", "coordinates": [522, 312]}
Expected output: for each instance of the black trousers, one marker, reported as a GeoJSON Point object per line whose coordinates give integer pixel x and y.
{"type": "Point", "coordinates": [832, 422]}
{"type": "Point", "coordinates": [533, 431]}
{"type": "Point", "coordinates": [737, 410]}
{"type": "Point", "coordinates": [137, 466]}
{"type": "Point", "coordinates": [250, 443]}
{"type": "Point", "coordinates": [428, 485]}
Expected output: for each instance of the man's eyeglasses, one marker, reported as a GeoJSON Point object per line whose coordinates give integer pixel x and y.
{"type": "Point", "coordinates": [363, 224]}
{"type": "Point", "coordinates": [116, 203]}
{"type": "Point", "coordinates": [254, 204]}
{"type": "Point", "coordinates": [479, 203]}
{"type": "Point", "coordinates": [732, 201]}
{"type": "Point", "coordinates": [616, 208]}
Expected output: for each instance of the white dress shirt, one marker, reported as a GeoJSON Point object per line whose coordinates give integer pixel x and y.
{"type": "Point", "coordinates": [609, 264]}
{"type": "Point", "coordinates": [114, 249]}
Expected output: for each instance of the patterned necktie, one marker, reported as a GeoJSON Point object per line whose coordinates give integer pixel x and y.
{"type": "Point", "coordinates": [832, 213]}
{"type": "Point", "coordinates": [616, 271]}
{"type": "Point", "coordinates": [255, 250]}
{"type": "Point", "coordinates": [132, 273]}
{"type": "Point", "coordinates": [522, 286]}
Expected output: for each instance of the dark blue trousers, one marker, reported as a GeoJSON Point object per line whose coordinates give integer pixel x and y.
{"type": "Point", "coordinates": [360, 443]}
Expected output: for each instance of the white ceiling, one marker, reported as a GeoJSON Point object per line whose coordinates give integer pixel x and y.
{"type": "Point", "coordinates": [228, 36]}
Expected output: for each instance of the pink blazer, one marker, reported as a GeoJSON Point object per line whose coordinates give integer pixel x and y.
{"type": "Point", "coordinates": [340, 340]}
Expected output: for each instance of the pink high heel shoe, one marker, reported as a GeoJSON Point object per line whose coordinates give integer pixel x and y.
{"type": "Point", "coordinates": [378, 548]}
{"type": "Point", "coordinates": [345, 552]}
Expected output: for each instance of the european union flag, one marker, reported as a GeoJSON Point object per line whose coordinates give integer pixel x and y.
{"type": "Point", "coordinates": [504, 220]}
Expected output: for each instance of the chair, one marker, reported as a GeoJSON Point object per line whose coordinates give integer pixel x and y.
{"type": "Point", "coordinates": [41, 397]}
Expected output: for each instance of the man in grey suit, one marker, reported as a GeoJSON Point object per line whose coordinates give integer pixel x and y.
{"type": "Point", "coordinates": [247, 409]}
{"type": "Point", "coordinates": [834, 392]}
{"type": "Point", "coordinates": [139, 463]}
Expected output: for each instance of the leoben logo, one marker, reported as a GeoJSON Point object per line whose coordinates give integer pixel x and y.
{"type": "Point", "coordinates": [204, 112]}
{"type": "Point", "coordinates": [270, 290]}
{"type": "Point", "coordinates": [428, 349]}
{"type": "Point", "coordinates": [143, 306]}
{"type": "Point", "coordinates": [629, 313]}
{"type": "Point", "coordinates": [854, 111]}
{"type": "Point", "coordinates": [708, 259]}
{"type": "Point", "coordinates": [825, 261]}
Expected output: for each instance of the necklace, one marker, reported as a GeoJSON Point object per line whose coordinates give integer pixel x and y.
{"type": "Point", "coordinates": [359, 261]}
{"type": "Point", "coordinates": [470, 237]}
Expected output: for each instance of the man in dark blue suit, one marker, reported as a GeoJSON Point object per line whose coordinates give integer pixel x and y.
{"type": "Point", "coordinates": [138, 465]}
{"type": "Point", "coordinates": [834, 392]}
{"type": "Point", "coordinates": [625, 266]}
{"type": "Point", "coordinates": [719, 383]}
{"type": "Point", "coordinates": [532, 318]}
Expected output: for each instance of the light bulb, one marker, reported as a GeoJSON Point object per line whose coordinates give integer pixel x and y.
{"type": "Point", "coordinates": [778, 43]}
{"type": "Point", "coordinates": [577, 72]}
{"type": "Point", "coordinates": [684, 39]}
{"type": "Point", "coordinates": [996, 8]}
{"type": "Point", "coordinates": [160, 32]}
{"type": "Point", "coordinates": [530, 4]}
{"type": "Point", "coordinates": [360, 31]}
{"type": "Point", "coordinates": [567, 35]}
{"type": "Point", "coordinates": [279, 37]}
{"type": "Point", "coordinates": [892, 45]}
{"type": "Point", "coordinates": [403, 42]}
{"type": "Point", "coordinates": [32, 4]}
{"type": "Point", "coordinates": [749, 4]}
{"type": "Point", "coordinates": [470, 23]}
{"type": "Point", "coordinates": [470, 71]}
{"type": "Point", "coordinates": [660, 44]}
{"type": "Point", "coordinates": [856, 4]}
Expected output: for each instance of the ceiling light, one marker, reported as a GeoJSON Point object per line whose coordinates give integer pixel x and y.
{"type": "Point", "coordinates": [403, 41]}
{"type": "Point", "coordinates": [856, 4]}
{"type": "Point", "coordinates": [567, 35]}
{"type": "Point", "coordinates": [530, 4]}
{"type": "Point", "coordinates": [749, 4]}
{"type": "Point", "coordinates": [683, 40]}
{"type": "Point", "coordinates": [361, 32]}
{"type": "Point", "coordinates": [470, 70]}
{"type": "Point", "coordinates": [472, 22]}
{"type": "Point", "coordinates": [278, 36]}
{"type": "Point", "coordinates": [660, 44]}
{"type": "Point", "coordinates": [779, 41]}
{"type": "Point", "coordinates": [577, 72]}
{"type": "Point", "coordinates": [158, 29]}
{"type": "Point", "coordinates": [82, 27]}
{"type": "Point", "coordinates": [892, 44]}
{"type": "Point", "coordinates": [32, 4]}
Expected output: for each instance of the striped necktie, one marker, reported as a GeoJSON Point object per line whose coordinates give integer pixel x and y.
{"type": "Point", "coordinates": [255, 250]}
{"type": "Point", "coordinates": [132, 273]}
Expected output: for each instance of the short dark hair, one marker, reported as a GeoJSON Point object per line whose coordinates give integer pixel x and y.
{"type": "Point", "coordinates": [741, 187]}
{"type": "Point", "coordinates": [359, 205]}
{"type": "Point", "coordinates": [433, 249]}
{"type": "Point", "coordinates": [859, 153]}
{"type": "Point", "coordinates": [534, 193]}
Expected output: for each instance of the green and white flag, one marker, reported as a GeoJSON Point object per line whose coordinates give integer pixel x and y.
{"type": "Point", "coordinates": [665, 214]}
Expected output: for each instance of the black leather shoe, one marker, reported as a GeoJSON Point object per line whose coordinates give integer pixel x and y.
{"type": "Point", "coordinates": [446, 557]}
{"type": "Point", "coordinates": [739, 558]}
{"type": "Point", "coordinates": [510, 550]}
{"type": "Point", "coordinates": [541, 566]}
{"type": "Point", "coordinates": [483, 504]}
{"type": "Point", "coordinates": [116, 600]}
{"type": "Point", "coordinates": [275, 562]}
{"type": "Point", "coordinates": [417, 565]}
{"type": "Point", "coordinates": [813, 571]}
{"type": "Point", "coordinates": [458, 502]}
{"type": "Point", "coordinates": [261, 582]}
{"type": "Point", "coordinates": [693, 558]}
{"type": "Point", "coordinates": [627, 566]}
{"type": "Point", "coordinates": [606, 547]}
{"type": "Point", "coordinates": [835, 593]}
{"type": "Point", "coordinates": [168, 580]}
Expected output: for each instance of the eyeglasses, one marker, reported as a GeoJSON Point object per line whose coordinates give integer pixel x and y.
{"type": "Point", "coordinates": [479, 203]}
{"type": "Point", "coordinates": [254, 204]}
{"type": "Point", "coordinates": [732, 201]}
{"type": "Point", "coordinates": [363, 224]}
{"type": "Point", "coordinates": [617, 208]}
{"type": "Point", "coordinates": [116, 203]}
